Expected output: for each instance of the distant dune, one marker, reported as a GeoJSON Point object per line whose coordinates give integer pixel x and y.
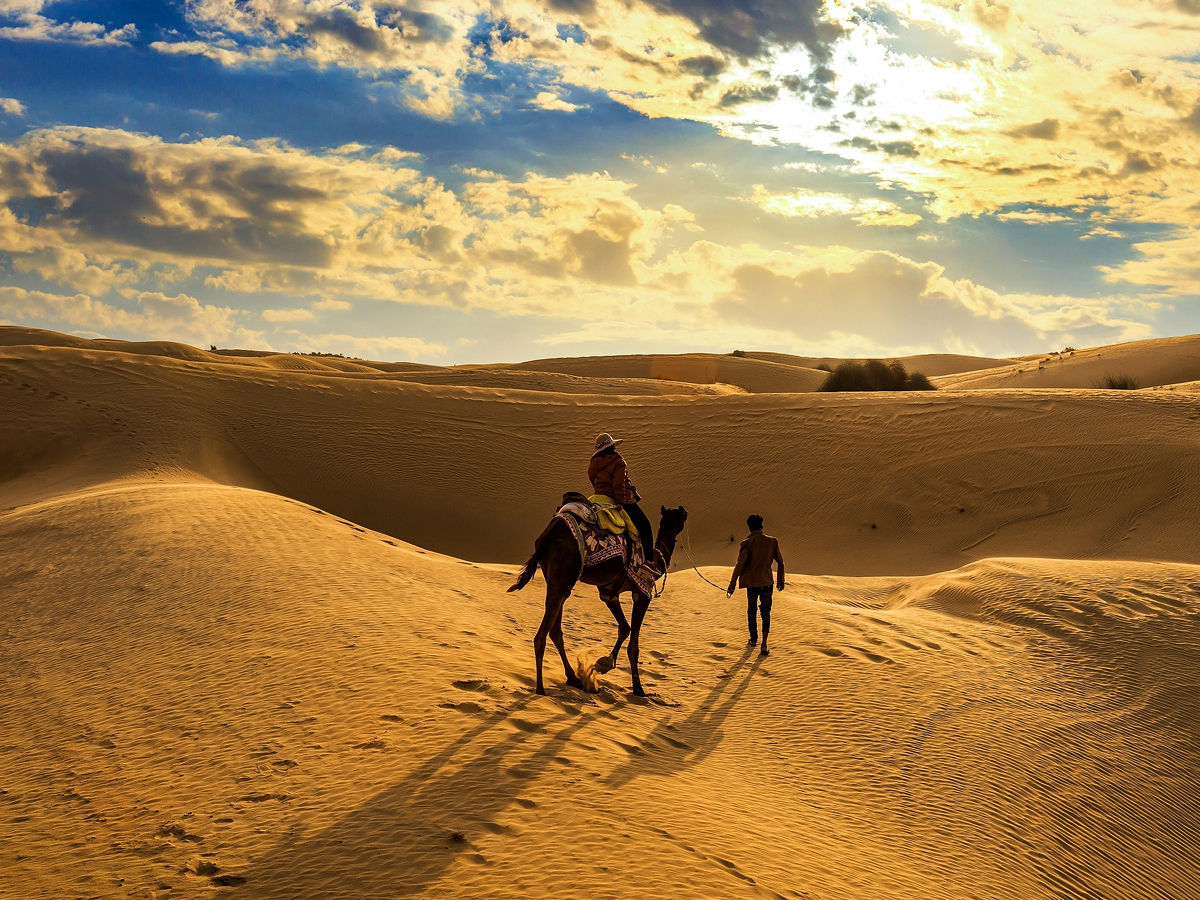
{"type": "Point", "coordinates": [755, 376]}
{"type": "Point", "coordinates": [256, 640]}
{"type": "Point", "coordinates": [1151, 363]}
{"type": "Point", "coordinates": [930, 364]}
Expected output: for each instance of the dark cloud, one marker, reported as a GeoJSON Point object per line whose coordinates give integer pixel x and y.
{"type": "Point", "coordinates": [745, 93]}
{"type": "Point", "coordinates": [817, 86]}
{"type": "Point", "coordinates": [1046, 130]}
{"type": "Point", "coordinates": [1192, 119]}
{"type": "Point", "coordinates": [422, 27]}
{"type": "Point", "coordinates": [749, 28]}
{"type": "Point", "coordinates": [1192, 7]}
{"type": "Point", "coordinates": [603, 251]}
{"type": "Point", "coordinates": [891, 148]}
{"type": "Point", "coordinates": [860, 94]}
{"type": "Point", "coordinates": [371, 37]}
{"type": "Point", "coordinates": [1141, 163]}
{"type": "Point", "coordinates": [340, 24]}
{"type": "Point", "coordinates": [575, 7]}
{"type": "Point", "coordinates": [704, 66]}
{"type": "Point", "coordinates": [109, 194]}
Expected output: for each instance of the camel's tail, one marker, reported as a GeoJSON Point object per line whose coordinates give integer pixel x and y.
{"type": "Point", "coordinates": [539, 549]}
{"type": "Point", "coordinates": [526, 573]}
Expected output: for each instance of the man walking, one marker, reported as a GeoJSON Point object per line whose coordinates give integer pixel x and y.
{"type": "Point", "coordinates": [754, 571]}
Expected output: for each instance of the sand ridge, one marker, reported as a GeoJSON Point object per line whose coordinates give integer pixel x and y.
{"type": "Point", "coordinates": [860, 484]}
{"type": "Point", "coordinates": [1151, 363]}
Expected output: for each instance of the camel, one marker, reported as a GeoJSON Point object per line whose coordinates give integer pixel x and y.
{"type": "Point", "coordinates": [558, 553]}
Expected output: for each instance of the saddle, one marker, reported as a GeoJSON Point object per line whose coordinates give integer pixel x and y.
{"type": "Point", "coordinates": [597, 545]}
{"type": "Point", "coordinates": [578, 505]}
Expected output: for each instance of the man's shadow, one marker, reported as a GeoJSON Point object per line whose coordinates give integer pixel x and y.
{"type": "Point", "coordinates": [675, 745]}
{"type": "Point", "coordinates": [403, 839]}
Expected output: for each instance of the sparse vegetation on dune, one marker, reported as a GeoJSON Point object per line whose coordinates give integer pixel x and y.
{"type": "Point", "coordinates": [875, 375]}
{"type": "Point", "coordinates": [1118, 382]}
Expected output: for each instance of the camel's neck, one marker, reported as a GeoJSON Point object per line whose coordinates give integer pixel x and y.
{"type": "Point", "coordinates": [666, 546]}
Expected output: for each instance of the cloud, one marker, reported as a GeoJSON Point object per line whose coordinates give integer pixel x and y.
{"type": "Point", "coordinates": [331, 305]}
{"type": "Point", "coordinates": [679, 57]}
{"type": "Point", "coordinates": [22, 20]}
{"type": "Point", "coordinates": [1170, 266]}
{"type": "Point", "coordinates": [547, 100]}
{"type": "Point", "coordinates": [808, 204]}
{"type": "Point", "coordinates": [154, 316]}
{"type": "Point", "coordinates": [888, 300]}
{"type": "Point", "coordinates": [754, 28]}
{"type": "Point", "coordinates": [367, 347]}
{"type": "Point", "coordinates": [12, 106]}
{"type": "Point", "coordinates": [150, 223]}
{"type": "Point", "coordinates": [287, 315]}
{"type": "Point", "coordinates": [1046, 130]}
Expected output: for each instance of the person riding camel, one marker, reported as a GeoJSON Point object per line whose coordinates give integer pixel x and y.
{"type": "Point", "coordinates": [609, 476]}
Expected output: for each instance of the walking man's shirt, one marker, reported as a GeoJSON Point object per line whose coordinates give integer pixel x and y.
{"type": "Point", "coordinates": [753, 572]}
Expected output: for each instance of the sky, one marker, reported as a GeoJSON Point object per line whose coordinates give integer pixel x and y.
{"type": "Point", "coordinates": [494, 180]}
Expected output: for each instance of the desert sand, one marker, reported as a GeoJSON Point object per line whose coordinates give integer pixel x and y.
{"type": "Point", "coordinates": [256, 639]}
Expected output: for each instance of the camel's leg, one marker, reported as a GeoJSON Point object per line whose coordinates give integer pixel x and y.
{"type": "Point", "coordinates": [640, 604]}
{"type": "Point", "coordinates": [556, 635]}
{"type": "Point", "coordinates": [554, 605]}
{"type": "Point", "coordinates": [614, 606]}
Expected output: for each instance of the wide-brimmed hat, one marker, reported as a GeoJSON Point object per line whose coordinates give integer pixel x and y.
{"type": "Point", "coordinates": [604, 440]}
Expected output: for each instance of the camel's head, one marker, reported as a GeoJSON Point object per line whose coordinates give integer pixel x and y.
{"type": "Point", "coordinates": [672, 523]}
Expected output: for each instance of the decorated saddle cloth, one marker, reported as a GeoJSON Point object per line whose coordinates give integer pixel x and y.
{"type": "Point", "coordinates": [597, 545]}
{"type": "Point", "coordinates": [612, 516]}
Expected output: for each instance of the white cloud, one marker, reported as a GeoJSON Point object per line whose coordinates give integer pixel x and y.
{"type": "Point", "coordinates": [154, 316]}
{"type": "Point", "coordinates": [379, 348]}
{"type": "Point", "coordinates": [549, 101]}
{"type": "Point", "coordinates": [12, 106]}
{"type": "Point", "coordinates": [31, 25]}
{"type": "Point", "coordinates": [331, 305]}
{"type": "Point", "coordinates": [287, 315]}
{"type": "Point", "coordinates": [817, 204]}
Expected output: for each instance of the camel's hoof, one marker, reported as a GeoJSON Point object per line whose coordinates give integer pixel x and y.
{"type": "Point", "coordinates": [541, 690]}
{"type": "Point", "coordinates": [605, 664]}
{"type": "Point", "coordinates": [638, 692]}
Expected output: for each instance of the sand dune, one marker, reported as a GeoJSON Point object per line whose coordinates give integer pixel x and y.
{"type": "Point", "coordinates": [561, 383]}
{"type": "Point", "coordinates": [1151, 363]}
{"type": "Point", "coordinates": [930, 364]}
{"type": "Point", "coordinates": [756, 376]}
{"type": "Point", "coordinates": [215, 686]}
{"type": "Point", "coordinates": [256, 641]}
{"type": "Point", "coordinates": [858, 484]}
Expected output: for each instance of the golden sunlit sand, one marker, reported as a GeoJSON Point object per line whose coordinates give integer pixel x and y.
{"type": "Point", "coordinates": [256, 639]}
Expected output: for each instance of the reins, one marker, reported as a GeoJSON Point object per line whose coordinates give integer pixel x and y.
{"type": "Point", "coordinates": [687, 548]}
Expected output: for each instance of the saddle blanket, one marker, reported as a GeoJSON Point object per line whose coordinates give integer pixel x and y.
{"type": "Point", "coordinates": [597, 546]}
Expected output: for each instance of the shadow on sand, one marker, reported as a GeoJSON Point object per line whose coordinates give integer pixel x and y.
{"type": "Point", "coordinates": [678, 744]}
{"type": "Point", "coordinates": [404, 838]}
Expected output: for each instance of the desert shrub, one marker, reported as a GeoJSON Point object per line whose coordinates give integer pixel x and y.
{"type": "Point", "coordinates": [874, 375]}
{"type": "Point", "coordinates": [740, 354]}
{"type": "Point", "coordinates": [1119, 382]}
{"type": "Point", "coordinates": [917, 381]}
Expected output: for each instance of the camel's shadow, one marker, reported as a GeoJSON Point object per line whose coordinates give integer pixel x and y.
{"type": "Point", "coordinates": [403, 839]}
{"type": "Point", "coordinates": [678, 744]}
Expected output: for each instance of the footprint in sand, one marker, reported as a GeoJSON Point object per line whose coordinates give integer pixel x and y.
{"type": "Point", "coordinates": [467, 706]}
